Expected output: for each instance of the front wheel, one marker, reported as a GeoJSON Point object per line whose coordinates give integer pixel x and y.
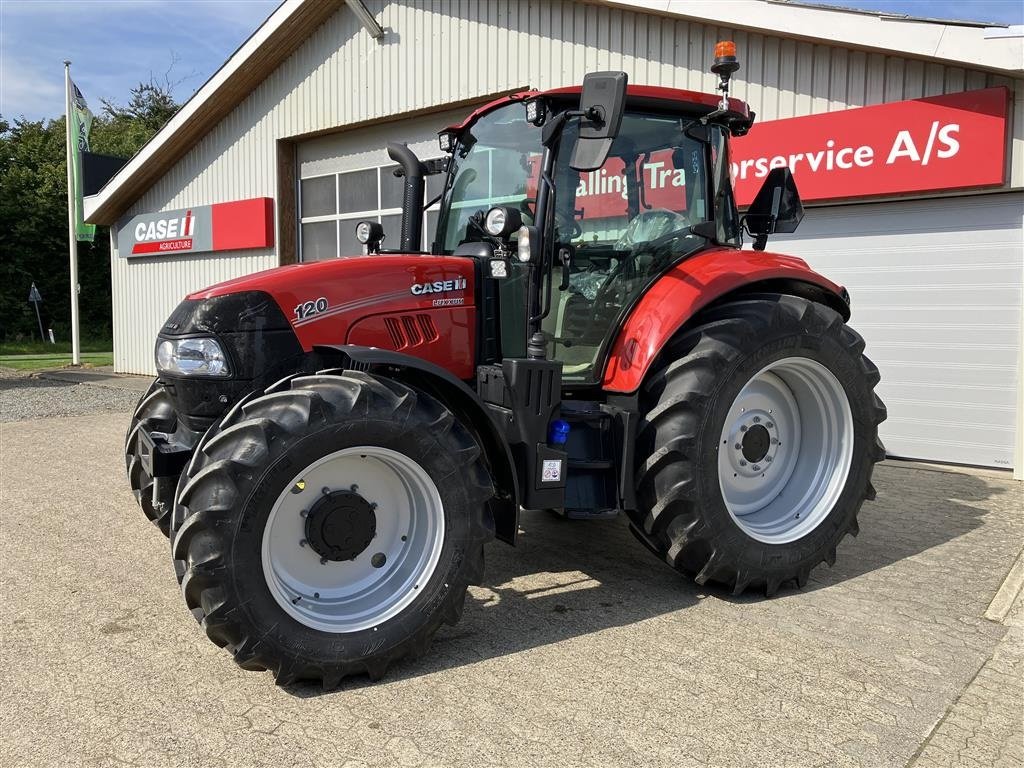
{"type": "Point", "coordinates": [329, 527]}
{"type": "Point", "coordinates": [758, 444]}
{"type": "Point", "coordinates": [155, 413]}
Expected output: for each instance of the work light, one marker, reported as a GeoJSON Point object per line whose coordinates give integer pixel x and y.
{"type": "Point", "coordinates": [496, 220]}
{"type": "Point", "coordinates": [502, 221]}
{"type": "Point", "coordinates": [369, 232]}
{"type": "Point", "coordinates": [535, 111]}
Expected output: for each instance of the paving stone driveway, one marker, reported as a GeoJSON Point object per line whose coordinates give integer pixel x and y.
{"type": "Point", "coordinates": [581, 650]}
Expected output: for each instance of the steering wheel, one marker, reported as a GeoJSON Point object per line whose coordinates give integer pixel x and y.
{"type": "Point", "coordinates": [650, 227]}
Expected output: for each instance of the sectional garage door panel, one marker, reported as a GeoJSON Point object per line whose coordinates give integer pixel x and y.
{"type": "Point", "coordinates": [936, 290]}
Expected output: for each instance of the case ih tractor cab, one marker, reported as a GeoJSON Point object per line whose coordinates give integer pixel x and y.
{"type": "Point", "coordinates": [330, 445]}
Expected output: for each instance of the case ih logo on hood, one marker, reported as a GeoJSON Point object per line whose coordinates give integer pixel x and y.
{"type": "Point", "coordinates": [164, 234]}
{"type": "Point", "coordinates": [439, 286]}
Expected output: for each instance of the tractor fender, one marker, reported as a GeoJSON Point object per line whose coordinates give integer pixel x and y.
{"type": "Point", "coordinates": [467, 407]}
{"type": "Point", "coordinates": [712, 276]}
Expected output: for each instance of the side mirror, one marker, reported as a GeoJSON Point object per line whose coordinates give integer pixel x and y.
{"type": "Point", "coordinates": [777, 208]}
{"type": "Point", "coordinates": [602, 102]}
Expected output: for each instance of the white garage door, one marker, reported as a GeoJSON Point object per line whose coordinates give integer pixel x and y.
{"type": "Point", "coordinates": [936, 291]}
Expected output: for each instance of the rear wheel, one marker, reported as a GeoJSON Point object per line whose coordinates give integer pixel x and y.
{"type": "Point", "coordinates": [155, 413]}
{"type": "Point", "coordinates": [758, 444]}
{"type": "Point", "coordinates": [330, 526]}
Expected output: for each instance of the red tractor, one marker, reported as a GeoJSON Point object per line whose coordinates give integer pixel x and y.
{"type": "Point", "coordinates": [330, 445]}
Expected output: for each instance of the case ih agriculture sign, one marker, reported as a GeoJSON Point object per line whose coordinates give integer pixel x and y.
{"type": "Point", "coordinates": [943, 142]}
{"type": "Point", "coordinates": [220, 227]}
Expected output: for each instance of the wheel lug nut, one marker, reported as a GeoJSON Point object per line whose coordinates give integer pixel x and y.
{"type": "Point", "coordinates": [303, 513]}
{"type": "Point", "coordinates": [757, 419]}
{"type": "Point", "coordinates": [743, 463]}
{"type": "Point", "coordinates": [775, 441]}
{"type": "Point", "coordinates": [354, 488]}
{"type": "Point", "coordinates": [373, 505]}
{"type": "Point", "coordinates": [768, 459]}
{"type": "Point", "coordinates": [770, 425]}
{"type": "Point", "coordinates": [757, 468]}
{"type": "Point", "coordinates": [323, 561]}
{"type": "Point", "coordinates": [738, 446]}
{"type": "Point", "coordinates": [325, 491]}
{"type": "Point", "coordinates": [743, 427]}
{"type": "Point", "coordinates": [302, 542]}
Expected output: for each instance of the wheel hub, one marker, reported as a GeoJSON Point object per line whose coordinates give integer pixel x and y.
{"type": "Point", "coordinates": [755, 443]}
{"type": "Point", "coordinates": [341, 525]}
{"type": "Point", "coordinates": [752, 442]}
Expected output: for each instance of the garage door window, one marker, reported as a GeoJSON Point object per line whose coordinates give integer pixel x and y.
{"type": "Point", "coordinates": [330, 207]}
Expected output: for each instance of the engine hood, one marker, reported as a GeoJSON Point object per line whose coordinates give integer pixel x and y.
{"type": "Point", "coordinates": [322, 300]}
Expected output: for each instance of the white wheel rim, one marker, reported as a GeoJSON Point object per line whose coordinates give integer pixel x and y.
{"type": "Point", "coordinates": [785, 451]}
{"type": "Point", "coordinates": [353, 595]}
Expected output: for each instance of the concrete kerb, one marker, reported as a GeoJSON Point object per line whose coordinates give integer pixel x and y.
{"type": "Point", "coordinates": [101, 377]}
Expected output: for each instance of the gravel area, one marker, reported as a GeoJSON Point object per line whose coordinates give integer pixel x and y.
{"type": "Point", "coordinates": [24, 396]}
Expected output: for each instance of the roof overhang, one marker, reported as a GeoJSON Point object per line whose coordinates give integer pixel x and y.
{"type": "Point", "coordinates": [967, 44]}
{"type": "Point", "coordinates": [282, 33]}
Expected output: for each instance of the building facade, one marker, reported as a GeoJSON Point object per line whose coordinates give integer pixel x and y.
{"type": "Point", "coordinates": [929, 244]}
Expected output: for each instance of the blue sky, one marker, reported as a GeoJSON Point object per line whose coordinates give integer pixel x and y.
{"type": "Point", "coordinates": [114, 44]}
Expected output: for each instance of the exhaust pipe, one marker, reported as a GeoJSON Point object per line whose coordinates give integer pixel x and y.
{"type": "Point", "coordinates": [412, 198]}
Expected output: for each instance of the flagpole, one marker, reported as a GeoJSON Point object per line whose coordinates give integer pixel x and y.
{"type": "Point", "coordinates": [72, 146]}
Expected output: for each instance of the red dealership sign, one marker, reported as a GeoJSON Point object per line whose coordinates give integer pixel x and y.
{"type": "Point", "coordinates": [232, 226]}
{"type": "Point", "coordinates": [954, 141]}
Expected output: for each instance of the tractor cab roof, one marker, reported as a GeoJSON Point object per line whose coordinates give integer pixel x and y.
{"type": "Point", "coordinates": [739, 117]}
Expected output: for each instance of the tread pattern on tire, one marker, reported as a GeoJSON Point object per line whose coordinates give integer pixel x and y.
{"type": "Point", "coordinates": [225, 467]}
{"type": "Point", "coordinates": [679, 393]}
{"type": "Point", "coordinates": [154, 412]}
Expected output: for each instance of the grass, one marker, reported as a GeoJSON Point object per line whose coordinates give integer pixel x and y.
{"type": "Point", "coordinates": [36, 347]}
{"type": "Point", "coordinates": [53, 360]}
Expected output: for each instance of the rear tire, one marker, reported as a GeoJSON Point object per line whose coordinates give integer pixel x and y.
{"type": "Point", "coordinates": [155, 413]}
{"type": "Point", "coordinates": [708, 408]}
{"type": "Point", "coordinates": [313, 580]}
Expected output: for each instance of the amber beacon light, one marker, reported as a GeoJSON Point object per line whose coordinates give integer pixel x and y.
{"type": "Point", "coordinates": [725, 64]}
{"type": "Point", "coordinates": [725, 58]}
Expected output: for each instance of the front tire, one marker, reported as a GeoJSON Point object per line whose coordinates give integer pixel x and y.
{"type": "Point", "coordinates": [329, 526]}
{"type": "Point", "coordinates": [758, 444]}
{"type": "Point", "coordinates": [155, 413]}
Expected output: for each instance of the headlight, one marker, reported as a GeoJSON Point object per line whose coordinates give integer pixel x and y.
{"type": "Point", "coordinates": [192, 357]}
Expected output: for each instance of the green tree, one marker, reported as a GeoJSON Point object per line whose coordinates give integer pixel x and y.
{"type": "Point", "coordinates": [33, 214]}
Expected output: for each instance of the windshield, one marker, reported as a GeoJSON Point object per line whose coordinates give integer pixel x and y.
{"type": "Point", "coordinates": [496, 162]}
{"type": "Point", "coordinates": [624, 225]}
